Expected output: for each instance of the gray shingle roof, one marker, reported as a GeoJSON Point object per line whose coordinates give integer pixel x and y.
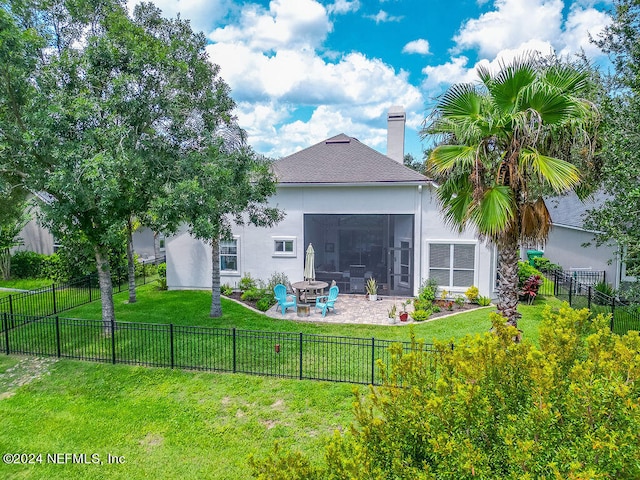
{"type": "Point", "coordinates": [342, 159]}
{"type": "Point", "coordinates": [569, 210]}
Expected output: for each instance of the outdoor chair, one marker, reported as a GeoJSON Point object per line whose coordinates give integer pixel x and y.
{"type": "Point", "coordinates": [284, 301]}
{"type": "Point", "coordinates": [325, 302]}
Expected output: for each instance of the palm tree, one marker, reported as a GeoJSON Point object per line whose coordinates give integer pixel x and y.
{"type": "Point", "coordinates": [515, 136]}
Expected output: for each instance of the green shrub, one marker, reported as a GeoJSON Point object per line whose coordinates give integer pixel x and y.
{"type": "Point", "coordinates": [54, 268]}
{"type": "Point", "coordinates": [26, 264]}
{"type": "Point", "coordinates": [226, 289]}
{"type": "Point", "coordinates": [544, 265]}
{"type": "Point", "coordinates": [472, 294]}
{"type": "Point", "coordinates": [265, 303]}
{"type": "Point", "coordinates": [428, 290]}
{"type": "Point", "coordinates": [524, 272]}
{"type": "Point", "coordinates": [253, 294]}
{"type": "Point", "coordinates": [162, 276]}
{"type": "Point", "coordinates": [420, 315]}
{"type": "Point", "coordinates": [247, 283]}
{"type": "Point", "coordinates": [491, 408]}
{"type": "Point", "coordinates": [277, 278]}
{"type": "Point", "coordinates": [484, 301]}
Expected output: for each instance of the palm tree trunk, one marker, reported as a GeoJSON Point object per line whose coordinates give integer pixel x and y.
{"type": "Point", "coordinates": [216, 306]}
{"type": "Point", "coordinates": [106, 289]}
{"type": "Point", "coordinates": [131, 263]}
{"type": "Point", "coordinates": [508, 279]}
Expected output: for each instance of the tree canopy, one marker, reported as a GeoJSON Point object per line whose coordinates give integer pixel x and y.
{"type": "Point", "coordinates": [101, 110]}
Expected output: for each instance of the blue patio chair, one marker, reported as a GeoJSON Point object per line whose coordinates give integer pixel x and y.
{"type": "Point", "coordinates": [326, 302]}
{"type": "Point", "coordinates": [284, 301]}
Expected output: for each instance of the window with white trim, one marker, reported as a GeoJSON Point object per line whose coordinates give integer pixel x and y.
{"type": "Point", "coordinates": [452, 265]}
{"type": "Point", "coordinates": [284, 246]}
{"type": "Point", "coordinates": [229, 261]}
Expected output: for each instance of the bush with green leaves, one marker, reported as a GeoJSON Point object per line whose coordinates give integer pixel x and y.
{"type": "Point", "coordinates": [428, 290]}
{"type": "Point", "coordinates": [25, 264]}
{"type": "Point", "coordinates": [162, 276]}
{"type": "Point", "coordinates": [484, 301]}
{"type": "Point", "coordinates": [247, 283]}
{"type": "Point", "coordinates": [226, 289]}
{"type": "Point", "coordinates": [277, 278]}
{"type": "Point", "coordinates": [525, 271]}
{"type": "Point", "coordinates": [545, 265]}
{"type": "Point", "coordinates": [491, 408]}
{"type": "Point", "coordinates": [421, 315]}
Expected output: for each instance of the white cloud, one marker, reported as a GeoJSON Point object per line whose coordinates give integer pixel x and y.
{"type": "Point", "coordinates": [287, 24]}
{"type": "Point", "coordinates": [579, 25]}
{"type": "Point", "coordinates": [420, 46]}
{"type": "Point", "coordinates": [512, 23]}
{"type": "Point", "coordinates": [383, 17]}
{"type": "Point", "coordinates": [343, 6]}
{"type": "Point", "coordinates": [439, 77]}
{"type": "Point", "coordinates": [271, 68]}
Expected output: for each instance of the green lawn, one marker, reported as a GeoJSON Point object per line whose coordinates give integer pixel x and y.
{"type": "Point", "coordinates": [165, 423]}
{"type": "Point", "coordinates": [26, 283]}
{"type": "Point", "coordinates": [191, 308]}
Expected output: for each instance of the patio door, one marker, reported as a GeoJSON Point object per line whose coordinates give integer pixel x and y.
{"type": "Point", "coordinates": [400, 271]}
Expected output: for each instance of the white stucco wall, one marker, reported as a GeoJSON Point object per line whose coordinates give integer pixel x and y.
{"type": "Point", "coordinates": [189, 261]}
{"type": "Point", "coordinates": [564, 247]}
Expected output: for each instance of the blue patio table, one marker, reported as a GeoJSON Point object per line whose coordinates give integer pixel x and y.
{"type": "Point", "coordinates": [310, 286]}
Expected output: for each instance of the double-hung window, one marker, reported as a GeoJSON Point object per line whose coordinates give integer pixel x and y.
{"type": "Point", "coordinates": [452, 265]}
{"type": "Point", "coordinates": [229, 256]}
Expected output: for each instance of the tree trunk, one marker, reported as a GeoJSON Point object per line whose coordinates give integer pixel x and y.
{"type": "Point", "coordinates": [5, 264]}
{"type": "Point", "coordinates": [216, 306]}
{"type": "Point", "coordinates": [131, 263]}
{"type": "Point", "coordinates": [106, 289]}
{"type": "Point", "coordinates": [508, 279]}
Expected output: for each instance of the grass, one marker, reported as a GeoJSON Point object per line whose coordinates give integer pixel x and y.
{"type": "Point", "coordinates": [26, 283]}
{"type": "Point", "coordinates": [191, 308]}
{"type": "Point", "coordinates": [167, 424]}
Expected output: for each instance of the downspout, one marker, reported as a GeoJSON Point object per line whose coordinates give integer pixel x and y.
{"type": "Point", "coordinates": [421, 240]}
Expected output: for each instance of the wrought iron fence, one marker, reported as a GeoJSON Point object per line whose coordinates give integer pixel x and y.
{"type": "Point", "coordinates": [572, 288]}
{"type": "Point", "coordinates": [60, 297]}
{"type": "Point", "coordinates": [279, 354]}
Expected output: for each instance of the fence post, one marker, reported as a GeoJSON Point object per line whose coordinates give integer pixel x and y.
{"type": "Point", "coordinates": [373, 360]}
{"type": "Point", "coordinates": [555, 283]}
{"type": "Point", "coordinates": [589, 297]}
{"type": "Point", "coordinates": [570, 291]}
{"type": "Point", "coordinates": [113, 341]}
{"type": "Point", "coordinates": [58, 337]}
{"type": "Point", "coordinates": [11, 305]}
{"type": "Point", "coordinates": [171, 344]}
{"type": "Point", "coordinates": [5, 325]}
{"type": "Point", "coordinates": [234, 349]}
{"type": "Point", "coordinates": [89, 282]}
{"type": "Point", "coordinates": [613, 310]}
{"type": "Point", "coordinates": [53, 291]}
{"type": "Point", "coordinates": [300, 355]}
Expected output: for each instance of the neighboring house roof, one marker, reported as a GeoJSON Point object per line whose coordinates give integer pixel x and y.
{"type": "Point", "coordinates": [342, 159]}
{"type": "Point", "coordinates": [569, 211]}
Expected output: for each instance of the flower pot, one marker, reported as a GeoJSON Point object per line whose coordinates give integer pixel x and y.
{"type": "Point", "coordinates": [373, 297]}
{"type": "Point", "coordinates": [392, 320]}
{"type": "Point", "coordinates": [404, 316]}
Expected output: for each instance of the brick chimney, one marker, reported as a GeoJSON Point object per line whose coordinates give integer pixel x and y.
{"type": "Point", "coordinates": [396, 118]}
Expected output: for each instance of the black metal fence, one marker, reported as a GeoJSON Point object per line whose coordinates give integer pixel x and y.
{"type": "Point", "coordinates": [280, 354]}
{"type": "Point", "coordinates": [64, 296]}
{"type": "Point", "coordinates": [579, 290]}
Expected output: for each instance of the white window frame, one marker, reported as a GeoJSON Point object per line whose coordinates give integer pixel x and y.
{"type": "Point", "coordinates": [235, 238]}
{"type": "Point", "coordinates": [283, 240]}
{"type": "Point", "coordinates": [451, 244]}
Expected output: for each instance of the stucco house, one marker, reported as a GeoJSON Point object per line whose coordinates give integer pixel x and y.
{"type": "Point", "coordinates": [366, 215]}
{"type": "Point", "coordinates": [572, 246]}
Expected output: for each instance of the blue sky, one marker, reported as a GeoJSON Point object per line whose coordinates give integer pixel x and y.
{"type": "Point", "coordinates": [304, 70]}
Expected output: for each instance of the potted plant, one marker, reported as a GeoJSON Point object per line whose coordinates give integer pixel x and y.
{"type": "Point", "coordinates": [372, 289]}
{"type": "Point", "coordinates": [404, 315]}
{"type": "Point", "coordinates": [392, 313]}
